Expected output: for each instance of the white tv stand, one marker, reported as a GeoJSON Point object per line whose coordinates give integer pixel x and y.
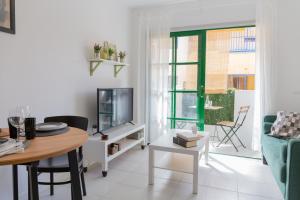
{"type": "Point", "coordinates": [96, 149]}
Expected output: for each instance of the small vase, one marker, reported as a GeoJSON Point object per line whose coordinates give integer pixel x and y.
{"type": "Point", "coordinates": [97, 55]}
{"type": "Point", "coordinates": [110, 57]}
{"type": "Point", "coordinates": [104, 55]}
{"type": "Point", "coordinates": [122, 60]}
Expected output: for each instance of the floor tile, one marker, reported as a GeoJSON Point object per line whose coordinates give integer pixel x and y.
{"type": "Point", "coordinates": [259, 189]}
{"type": "Point", "coordinates": [224, 178]}
{"type": "Point", "coordinates": [166, 174]}
{"type": "Point", "coordinates": [253, 197]}
{"type": "Point", "coordinates": [217, 194]}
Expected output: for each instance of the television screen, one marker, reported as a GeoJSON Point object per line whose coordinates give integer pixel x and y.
{"type": "Point", "coordinates": [115, 107]}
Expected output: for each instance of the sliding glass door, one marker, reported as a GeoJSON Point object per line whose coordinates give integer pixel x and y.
{"type": "Point", "coordinates": [187, 79]}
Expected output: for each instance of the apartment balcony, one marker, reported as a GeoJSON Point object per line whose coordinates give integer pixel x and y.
{"type": "Point", "coordinates": [224, 106]}
{"type": "Point", "coordinates": [229, 112]}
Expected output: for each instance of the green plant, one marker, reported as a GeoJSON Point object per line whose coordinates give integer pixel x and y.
{"type": "Point", "coordinates": [97, 48]}
{"type": "Point", "coordinates": [226, 113]}
{"type": "Point", "coordinates": [111, 51]}
{"type": "Point", "coordinates": [122, 54]}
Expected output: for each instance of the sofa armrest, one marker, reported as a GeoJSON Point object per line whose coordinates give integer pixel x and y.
{"type": "Point", "coordinates": [268, 122]}
{"type": "Point", "coordinates": [293, 170]}
{"type": "Point", "coordinates": [270, 118]}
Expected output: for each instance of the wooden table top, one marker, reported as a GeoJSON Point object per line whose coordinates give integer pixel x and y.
{"type": "Point", "coordinates": [42, 148]}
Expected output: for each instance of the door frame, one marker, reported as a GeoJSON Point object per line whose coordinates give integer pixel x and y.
{"type": "Point", "coordinates": [201, 63]}
{"type": "Point", "coordinates": [200, 73]}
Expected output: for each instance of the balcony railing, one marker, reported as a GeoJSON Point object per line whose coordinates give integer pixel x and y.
{"type": "Point", "coordinates": [243, 41]}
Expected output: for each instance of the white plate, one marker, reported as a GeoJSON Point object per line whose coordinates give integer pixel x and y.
{"type": "Point", "coordinates": [51, 126]}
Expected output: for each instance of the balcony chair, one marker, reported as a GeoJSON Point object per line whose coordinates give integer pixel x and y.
{"type": "Point", "coordinates": [233, 127]}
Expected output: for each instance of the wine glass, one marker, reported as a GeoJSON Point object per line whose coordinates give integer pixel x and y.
{"type": "Point", "coordinates": [27, 111]}
{"type": "Point", "coordinates": [16, 119]}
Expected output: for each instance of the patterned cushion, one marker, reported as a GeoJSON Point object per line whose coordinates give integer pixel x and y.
{"type": "Point", "coordinates": [286, 125]}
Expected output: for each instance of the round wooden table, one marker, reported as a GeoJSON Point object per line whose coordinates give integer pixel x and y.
{"type": "Point", "coordinates": [42, 148]}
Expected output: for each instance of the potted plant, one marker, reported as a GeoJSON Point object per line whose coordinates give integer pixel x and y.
{"type": "Point", "coordinates": [122, 55]}
{"type": "Point", "coordinates": [97, 49]}
{"type": "Point", "coordinates": [111, 52]}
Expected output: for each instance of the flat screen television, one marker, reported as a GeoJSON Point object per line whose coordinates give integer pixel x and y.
{"type": "Point", "coordinates": [114, 107]}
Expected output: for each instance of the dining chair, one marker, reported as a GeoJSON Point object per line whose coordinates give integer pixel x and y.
{"type": "Point", "coordinates": [61, 164]}
{"type": "Point", "coordinates": [234, 127]}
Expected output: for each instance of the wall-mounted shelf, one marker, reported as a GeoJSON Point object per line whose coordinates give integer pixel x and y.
{"type": "Point", "coordinates": [95, 63]}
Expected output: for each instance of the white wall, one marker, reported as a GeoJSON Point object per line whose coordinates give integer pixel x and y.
{"type": "Point", "coordinates": [245, 98]}
{"type": "Point", "coordinates": [217, 14]}
{"type": "Point", "coordinates": [288, 89]}
{"type": "Point", "coordinates": [45, 64]}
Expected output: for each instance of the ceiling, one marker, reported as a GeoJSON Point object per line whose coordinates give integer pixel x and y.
{"type": "Point", "coordinates": [142, 3]}
{"type": "Point", "coordinates": [146, 3]}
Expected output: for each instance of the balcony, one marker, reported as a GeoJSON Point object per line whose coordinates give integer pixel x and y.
{"type": "Point", "coordinates": [230, 110]}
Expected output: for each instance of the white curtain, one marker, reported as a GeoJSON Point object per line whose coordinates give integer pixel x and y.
{"type": "Point", "coordinates": [153, 45]}
{"type": "Point", "coordinates": [266, 34]}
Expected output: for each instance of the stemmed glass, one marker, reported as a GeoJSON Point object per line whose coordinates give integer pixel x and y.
{"type": "Point", "coordinates": [16, 119]}
{"type": "Point", "coordinates": [27, 111]}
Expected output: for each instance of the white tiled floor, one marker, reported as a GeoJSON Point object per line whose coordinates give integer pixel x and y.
{"type": "Point", "coordinates": [225, 178]}
{"type": "Point", "coordinates": [228, 149]}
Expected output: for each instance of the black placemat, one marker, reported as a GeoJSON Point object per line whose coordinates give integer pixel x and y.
{"type": "Point", "coordinates": [52, 133]}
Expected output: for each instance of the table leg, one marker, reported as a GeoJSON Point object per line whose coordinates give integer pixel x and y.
{"type": "Point", "coordinates": [206, 151]}
{"type": "Point", "coordinates": [104, 166]}
{"type": "Point", "coordinates": [15, 182]}
{"type": "Point", "coordinates": [104, 160]}
{"type": "Point", "coordinates": [33, 184]}
{"type": "Point", "coordinates": [28, 182]}
{"type": "Point", "coordinates": [75, 180]}
{"type": "Point", "coordinates": [151, 166]}
{"type": "Point", "coordinates": [195, 173]}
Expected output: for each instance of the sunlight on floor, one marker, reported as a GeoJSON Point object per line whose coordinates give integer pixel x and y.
{"type": "Point", "coordinates": [224, 178]}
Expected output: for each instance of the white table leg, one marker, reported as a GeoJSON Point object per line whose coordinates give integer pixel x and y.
{"type": "Point", "coordinates": [151, 166]}
{"type": "Point", "coordinates": [104, 160]}
{"type": "Point", "coordinates": [206, 151]}
{"type": "Point", "coordinates": [195, 173]}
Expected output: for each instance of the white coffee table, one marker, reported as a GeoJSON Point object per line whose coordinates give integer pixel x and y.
{"type": "Point", "coordinates": [165, 144]}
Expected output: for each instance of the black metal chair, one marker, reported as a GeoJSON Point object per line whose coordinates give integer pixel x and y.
{"type": "Point", "coordinates": [234, 127]}
{"type": "Point", "coordinates": [61, 164]}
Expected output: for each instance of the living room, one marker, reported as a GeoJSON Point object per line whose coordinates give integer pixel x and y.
{"type": "Point", "coordinates": [117, 80]}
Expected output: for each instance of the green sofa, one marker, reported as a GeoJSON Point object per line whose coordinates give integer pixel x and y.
{"type": "Point", "coordinates": [283, 157]}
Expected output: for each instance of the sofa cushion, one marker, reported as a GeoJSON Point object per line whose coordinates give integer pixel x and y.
{"type": "Point", "coordinates": [286, 125]}
{"type": "Point", "coordinates": [275, 152]}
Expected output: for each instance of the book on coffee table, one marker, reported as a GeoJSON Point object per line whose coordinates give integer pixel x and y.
{"type": "Point", "coordinates": [184, 143]}
{"type": "Point", "coordinates": [189, 136]}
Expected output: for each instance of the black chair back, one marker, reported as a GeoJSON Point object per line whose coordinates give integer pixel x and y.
{"type": "Point", "coordinates": [72, 121]}
{"type": "Point", "coordinates": [75, 122]}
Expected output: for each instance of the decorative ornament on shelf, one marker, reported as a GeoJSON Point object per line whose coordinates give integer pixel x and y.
{"type": "Point", "coordinates": [115, 56]}
{"type": "Point", "coordinates": [122, 55]}
{"type": "Point", "coordinates": [109, 55]}
{"type": "Point", "coordinates": [97, 49]}
{"type": "Point", "coordinates": [111, 52]}
{"type": "Point", "coordinates": [104, 52]}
